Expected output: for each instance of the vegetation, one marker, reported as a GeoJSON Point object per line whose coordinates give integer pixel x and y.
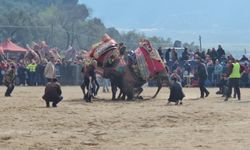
{"type": "Point", "coordinates": [61, 23]}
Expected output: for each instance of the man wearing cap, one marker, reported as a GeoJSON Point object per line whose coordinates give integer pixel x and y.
{"type": "Point", "coordinates": [9, 80]}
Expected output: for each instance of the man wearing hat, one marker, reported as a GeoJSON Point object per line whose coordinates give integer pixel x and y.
{"type": "Point", "coordinates": [9, 80]}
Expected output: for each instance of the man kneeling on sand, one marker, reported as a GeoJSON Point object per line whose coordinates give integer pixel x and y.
{"type": "Point", "coordinates": [52, 93]}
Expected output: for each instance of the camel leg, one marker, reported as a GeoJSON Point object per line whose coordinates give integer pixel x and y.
{"type": "Point", "coordinates": [130, 94]}
{"type": "Point", "coordinates": [159, 85]}
{"type": "Point", "coordinates": [139, 92]}
{"type": "Point", "coordinates": [121, 95]}
{"type": "Point", "coordinates": [114, 90]}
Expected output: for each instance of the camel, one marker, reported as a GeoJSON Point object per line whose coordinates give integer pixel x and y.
{"type": "Point", "coordinates": [129, 76]}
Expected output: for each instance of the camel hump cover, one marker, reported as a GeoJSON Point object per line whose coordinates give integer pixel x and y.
{"type": "Point", "coordinates": [106, 44]}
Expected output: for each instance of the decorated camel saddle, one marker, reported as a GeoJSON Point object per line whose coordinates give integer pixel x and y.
{"type": "Point", "coordinates": [147, 61]}
{"type": "Point", "coordinates": [99, 50]}
{"type": "Point", "coordinates": [108, 51]}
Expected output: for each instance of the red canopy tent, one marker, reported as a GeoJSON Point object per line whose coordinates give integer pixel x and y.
{"type": "Point", "coordinates": [9, 46]}
{"type": "Point", "coordinates": [1, 50]}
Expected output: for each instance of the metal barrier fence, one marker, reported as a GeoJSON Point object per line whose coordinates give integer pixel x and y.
{"type": "Point", "coordinates": [70, 74]}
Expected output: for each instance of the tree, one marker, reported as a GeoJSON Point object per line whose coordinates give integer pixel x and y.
{"type": "Point", "coordinates": [12, 20]}
{"type": "Point", "coordinates": [69, 15]}
{"type": "Point", "coordinates": [90, 32]}
{"type": "Point", "coordinates": [61, 23]}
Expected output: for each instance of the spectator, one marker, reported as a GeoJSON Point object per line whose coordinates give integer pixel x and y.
{"type": "Point", "coordinates": [49, 71]}
{"type": "Point", "coordinates": [167, 55]}
{"type": "Point", "coordinates": [21, 73]}
{"type": "Point", "coordinates": [187, 67]}
{"type": "Point", "coordinates": [223, 59]}
{"type": "Point", "coordinates": [218, 70]}
{"type": "Point", "coordinates": [185, 54]}
{"type": "Point", "coordinates": [9, 80]}
{"type": "Point", "coordinates": [105, 85]}
{"type": "Point", "coordinates": [58, 66]}
{"type": "Point", "coordinates": [209, 53]}
{"type": "Point", "coordinates": [235, 70]}
{"type": "Point", "coordinates": [202, 75]}
{"type": "Point", "coordinates": [244, 58]}
{"type": "Point", "coordinates": [39, 73]}
{"type": "Point", "coordinates": [214, 55]}
{"type": "Point", "coordinates": [175, 65]}
{"type": "Point", "coordinates": [174, 55]}
{"type": "Point", "coordinates": [32, 73]}
{"type": "Point", "coordinates": [220, 52]}
{"type": "Point", "coordinates": [223, 85]}
{"type": "Point", "coordinates": [160, 53]}
{"type": "Point", "coordinates": [197, 54]}
{"type": "Point", "coordinates": [244, 76]}
{"type": "Point", "coordinates": [2, 71]}
{"type": "Point", "coordinates": [210, 70]}
{"type": "Point", "coordinates": [203, 55]}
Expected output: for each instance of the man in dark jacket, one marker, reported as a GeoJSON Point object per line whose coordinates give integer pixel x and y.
{"type": "Point", "coordinates": [21, 72]}
{"type": "Point", "coordinates": [9, 80]}
{"type": "Point", "coordinates": [202, 74]}
{"type": "Point", "coordinates": [52, 93]}
{"type": "Point", "coordinates": [160, 53]}
{"type": "Point", "coordinates": [167, 55]}
{"type": "Point", "coordinates": [185, 54]}
{"type": "Point", "coordinates": [220, 52]}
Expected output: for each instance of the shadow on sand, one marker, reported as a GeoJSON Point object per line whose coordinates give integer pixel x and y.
{"type": "Point", "coordinates": [102, 100]}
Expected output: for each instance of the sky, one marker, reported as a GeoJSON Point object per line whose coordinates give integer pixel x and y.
{"type": "Point", "coordinates": [225, 22]}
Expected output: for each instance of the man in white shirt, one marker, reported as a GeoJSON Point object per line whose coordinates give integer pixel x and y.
{"type": "Point", "coordinates": [49, 71]}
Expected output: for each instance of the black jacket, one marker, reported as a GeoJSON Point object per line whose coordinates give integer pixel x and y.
{"type": "Point", "coordinates": [52, 91]}
{"type": "Point", "coordinates": [202, 71]}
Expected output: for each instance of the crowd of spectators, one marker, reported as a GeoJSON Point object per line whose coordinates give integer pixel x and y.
{"type": "Point", "coordinates": [32, 74]}
{"type": "Point", "coordinates": [184, 67]}
{"type": "Point", "coordinates": [181, 65]}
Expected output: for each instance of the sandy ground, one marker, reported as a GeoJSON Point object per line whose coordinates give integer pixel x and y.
{"type": "Point", "coordinates": [211, 123]}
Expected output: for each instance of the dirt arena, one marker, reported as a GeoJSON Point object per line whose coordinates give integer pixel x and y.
{"type": "Point", "coordinates": [26, 124]}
